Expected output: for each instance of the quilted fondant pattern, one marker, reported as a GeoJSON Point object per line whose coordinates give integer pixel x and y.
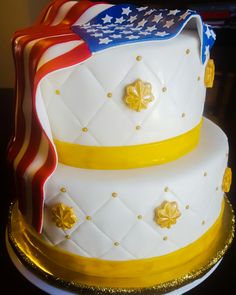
{"type": "Point", "coordinates": [79, 94]}
{"type": "Point", "coordinates": [121, 226]}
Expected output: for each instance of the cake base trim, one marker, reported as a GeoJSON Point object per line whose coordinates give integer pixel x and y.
{"type": "Point", "coordinates": [55, 290]}
{"type": "Point", "coordinates": [21, 245]}
{"type": "Point", "coordinates": [127, 157]}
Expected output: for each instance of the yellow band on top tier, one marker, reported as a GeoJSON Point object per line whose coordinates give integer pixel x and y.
{"type": "Point", "coordinates": [126, 157]}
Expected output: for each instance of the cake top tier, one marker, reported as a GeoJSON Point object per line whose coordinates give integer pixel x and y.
{"type": "Point", "coordinates": [137, 77]}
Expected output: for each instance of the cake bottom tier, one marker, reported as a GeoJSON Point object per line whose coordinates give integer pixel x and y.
{"type": "Point", "coordinates": [120, 214]}
{"type": "Point", "coordinates": [82, 275]}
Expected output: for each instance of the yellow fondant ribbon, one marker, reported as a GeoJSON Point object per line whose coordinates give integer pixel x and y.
{"type": "Point", "coordinates": [126, 157]}
{"type": "Point", "coordinates": [116, 274]}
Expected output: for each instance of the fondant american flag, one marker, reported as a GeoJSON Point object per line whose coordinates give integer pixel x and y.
{"type": "Point", "coordinates": [31, 150]}
{"type": "Point", "coordinates": [125, 23]}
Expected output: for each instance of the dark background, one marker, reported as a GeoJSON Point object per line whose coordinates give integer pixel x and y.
{"type": "Point", "coordinates": [220, 107]}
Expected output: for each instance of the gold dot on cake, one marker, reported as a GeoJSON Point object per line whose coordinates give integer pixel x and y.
{"type": "Point", "coordinates": [58, 92]}
{"type": "Point", "coordinates": [183, 115]}
{"type": "Point", "coordinates": [140, 217]}
{"type": "Point", "coordinates": [67, 237]}
{"type": "Point", "coordinates": [205, 174]}
{"type": "Point", "coordinates": [187, 207]}
{"type": "Point", "coordinates": [85, 129]}
{"type": "Point", "coordinates": [139, 58]}
{"type": "Point", "coordinates": [203, 222]}
{"type": "Point", "coordinates": [198, 78]}
{"type": "Point", "coordinates": [88, 218]}
{"type": "Point", "coordinates": [165, 238]}
{"type": "Point", "coordinates": [109, 94]}
{"type": "Point", "coordinates": [187, 51]}
{"type": "Point", "coordinates": [116, 244]}
{"type": "Point", "coordinates": [217, 188]}
{"type": "Point", "coordinates": [138, 127]}
{"type": "Point", "coordinates": [114, 195]}
{"type": "Point", "coordinates": [63, 190]}
{"type": "Point", "coordinates": [166, 189]}
{"type": "Point", "coordinates": [164, 89]}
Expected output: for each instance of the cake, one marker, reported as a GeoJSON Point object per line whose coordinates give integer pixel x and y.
{"type": "Point", "coordinates": [120, 181]}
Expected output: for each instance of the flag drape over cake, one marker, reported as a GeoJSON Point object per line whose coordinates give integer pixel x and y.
{"type": "Point", "coordinates": [32, 151]}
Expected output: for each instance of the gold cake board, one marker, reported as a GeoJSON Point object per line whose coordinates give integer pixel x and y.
{"type": "Point", "coordinates": [50, 289]}
{"type": "Point", "coordinates": [56, 285]}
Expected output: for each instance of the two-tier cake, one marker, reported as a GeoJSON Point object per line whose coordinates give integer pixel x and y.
{"type": "Point", "coordinates": [120, 180]}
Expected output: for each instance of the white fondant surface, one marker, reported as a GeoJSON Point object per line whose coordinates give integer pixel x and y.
{"type": "Point", "coordinates": [83, 100]}
{"type": "Point", "coordinates": [139, 192]}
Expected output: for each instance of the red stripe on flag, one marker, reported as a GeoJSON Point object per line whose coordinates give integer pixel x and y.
{"type": "Point", "coordinates": [36, 130]}
{"type": "Point", "coordinates": [80, 53]}
{"type": "Point", "coordinates": [37, 189]}
{"type": "Point", "coordinates": [18, 56]}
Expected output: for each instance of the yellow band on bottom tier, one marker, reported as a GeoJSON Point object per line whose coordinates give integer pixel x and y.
{"type": "Point", "coordinates": [126, 157]}
{"type": "Point", "coordinates": [132, 274]}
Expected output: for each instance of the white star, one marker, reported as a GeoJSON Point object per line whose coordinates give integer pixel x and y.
{"type": "Point", "coordinates": [86, 25]}
{"type": "Point", "coordinates": [142, 8]}
{"type": "Point", "coordinates": [126, 11]}
{"type": "Point", "coordinates": [144, 33]}
{"type": "Point", "coordinates": [183, 16]}
{"type": "Point", "coordinates": [150, 29]}
{"type": "Point", "coordinates": [169, 23]}
{"type": "Point", "coordinates": [127, 32]}
{"type": "Point", "coordinates": [104, 40]}
{"type": "Point", "coordinates": [120, 28]}
{"type": "Point", "coordinates": [162, 34]}
{"type": "Point", "coordinates": [120, 20]}
{"type": "Point", "coordinates": [97, 35]}
{"type": "Point", "coordinates": [173, 12]}
{"type": "Point", "coordinates": [149, 12]}
{"type": "Point", "coordinates": [157, 18]}
{"type": "Point", "coordinates": [207, 50]}
{"type": "Point", "coordinates": [136, 29]}
{"type": "Point", "coordinates": [208, 32]}
{"type": "Point", "coordinates": [92, 30]}
{"type": "Point", "coordinates": [107, 19]}
{"type": "Point", "coordinates": [132, 37]}
{"type": "Point", "coordinates": [142, 23]}
{"type": "Point", "coordinates": [213, 34]}
{"type": "Point", "coordinates": [116, 36]}
{"type": "Point", "coordinates": [132, 18]}
{"type": "Point", "coordinates": [108, 31]}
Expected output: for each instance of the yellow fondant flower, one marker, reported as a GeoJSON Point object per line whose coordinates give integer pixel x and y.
{"type": "Point", "coordinates": [167, 214]}
{"type": "Point", "coordinates": [63, 216]}
{"type": "Point", "coordinates": [227, 180]}
{"type": "Point", "coordinates": [138, 95]}
{"type": "Point", "coordinates": [209, 73]}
